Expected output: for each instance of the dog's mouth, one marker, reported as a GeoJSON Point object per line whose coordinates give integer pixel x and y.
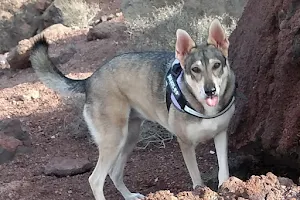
{"type": "Point", "coordinates": [212, 100]}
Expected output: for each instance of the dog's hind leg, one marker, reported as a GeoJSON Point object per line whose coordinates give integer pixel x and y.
{"type": "Point", "coordinates": [116, 173]}
{"type": "Point", "coordinates": [108, 130]}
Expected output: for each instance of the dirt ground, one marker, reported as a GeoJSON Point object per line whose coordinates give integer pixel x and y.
{"type": "Point", "coordinates": [47, 120]}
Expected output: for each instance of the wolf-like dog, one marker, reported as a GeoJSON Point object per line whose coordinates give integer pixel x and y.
{"type": "Point", "coordinates": [133, 87]}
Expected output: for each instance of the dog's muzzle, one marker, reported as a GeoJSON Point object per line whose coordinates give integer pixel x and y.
{"type": "Point", "coordinates": [210, 92]}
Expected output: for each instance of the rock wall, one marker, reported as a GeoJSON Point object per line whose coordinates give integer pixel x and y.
{"type": "Point", "coordinates": [264, 53]}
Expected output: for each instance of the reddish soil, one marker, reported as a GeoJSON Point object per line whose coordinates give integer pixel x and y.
{"type": "Point", "coordinates": [47, 119]}
{"type": "Point", "coordinates": [51, 120]}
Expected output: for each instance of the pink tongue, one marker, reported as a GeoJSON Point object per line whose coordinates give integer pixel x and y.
{"type": "Point", "coordinates": [212, 101]}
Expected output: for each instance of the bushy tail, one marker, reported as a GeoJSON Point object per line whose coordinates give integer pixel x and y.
{"type": "Point", "coordinates": [48, 73]}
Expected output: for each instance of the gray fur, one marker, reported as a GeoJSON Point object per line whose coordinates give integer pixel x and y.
{"type": "Point", "coordinates": [131, 88]}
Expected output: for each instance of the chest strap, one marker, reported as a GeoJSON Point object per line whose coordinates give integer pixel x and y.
{"type": "Point", "coordinates": [175, 96]}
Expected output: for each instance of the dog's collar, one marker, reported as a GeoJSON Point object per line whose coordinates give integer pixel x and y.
{"type": "Point", "coordinates": [175, 96]}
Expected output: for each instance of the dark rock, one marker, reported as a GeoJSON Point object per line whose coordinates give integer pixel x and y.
{"type": "Point", "coordinates": [13, 128]}
{"type": "Point", "coordinates": [286, 181]}
{"type": "Point", "coordinates": [110, 17]}
{"type": "Point", "coordinates": [13, 139]}
{"type": "Point", "coordinates": [135, 8]}
{"type": "Point", "coordinates": [18, 58]}
{"type": "Point", "coordinates": [8, 147]}
{"type": "Point", "coordinates": [19, 20]}
{"type": "Point", "coordinates": [106, 30]}
{"type": "Point", "coordinates": [262, 53]}
{"type": "Point", "coordinates": [63, 166]}
{"type": "Point", "coordinates": [52, 15]}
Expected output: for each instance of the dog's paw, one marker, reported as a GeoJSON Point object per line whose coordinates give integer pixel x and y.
{"type": "Point", "coordinates": [135, 196]}
{"type": "Point", "coordinates": [201, 184]}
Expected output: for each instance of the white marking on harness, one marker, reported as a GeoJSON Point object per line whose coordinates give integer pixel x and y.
{"type": "Point", "coordinates": [172, 85]}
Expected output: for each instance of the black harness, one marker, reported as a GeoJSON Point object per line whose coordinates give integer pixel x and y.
{"type": "Point", "coordinates": [175, 96]}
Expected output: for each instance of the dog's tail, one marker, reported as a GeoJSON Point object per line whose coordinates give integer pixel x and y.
{"type": "Point", "coordinates": [48, 73]}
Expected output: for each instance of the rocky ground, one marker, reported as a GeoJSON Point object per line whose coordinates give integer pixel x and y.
{"type": "Point", "coordinates": [46, 153]}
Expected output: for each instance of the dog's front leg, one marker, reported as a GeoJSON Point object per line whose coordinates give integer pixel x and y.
{"type": "Point", "coordinates": [189, 156]}
{"type": "Point", "coordinates": [221, 148]}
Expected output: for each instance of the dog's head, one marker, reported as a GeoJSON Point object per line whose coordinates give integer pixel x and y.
{"type": "Point", "coordinates": [205, 66]}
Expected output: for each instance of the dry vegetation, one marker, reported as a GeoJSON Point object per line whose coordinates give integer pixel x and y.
{"type": "Point", "coordinates": [77, 13]}
{"type": "Point", "coordinates": [158, 30]}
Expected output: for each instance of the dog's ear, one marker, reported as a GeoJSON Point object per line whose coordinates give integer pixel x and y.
{"type": "Point", "coordinates": [217, 37]}
{"type": "Point", "coordinates": [184, 44]}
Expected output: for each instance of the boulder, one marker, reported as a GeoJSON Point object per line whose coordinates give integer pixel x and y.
{"type": "Point", "coordinates": [264, 53]}
{"type": "Point", "coordinates": [19, 20]}
{"type": "Point", "coordinates": [18, 58]}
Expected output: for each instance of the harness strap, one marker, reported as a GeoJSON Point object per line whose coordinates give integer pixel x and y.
{"type": "Point", "coordinates": [175, 96]}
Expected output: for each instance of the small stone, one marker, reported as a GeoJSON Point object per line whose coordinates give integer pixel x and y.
{"type": "Point", "coordinates": [110, 17]}
{"type": "Point", "coordinates": [9, 143]}
{"type": "Point", "coordinates": [3, 61]}
{"type": "Point", "coordinates": [64, 166]}
{"type": "Point", "coordinates": [8, 147]}
{"type": "Point", "coordinates": [212, 152]}
{"type": "Point", "coordinates": [103, 18]}
{"type": "Point", "coordinates": [286, 181]}
{"type": "Point", "coordinates": [41, 5]}
{"type": "Point", "coordinates": [119, 14]}
{"type": "Point", "coordinates": [35, 94]}
{"type": "Point", "coordinates": [106, 30]}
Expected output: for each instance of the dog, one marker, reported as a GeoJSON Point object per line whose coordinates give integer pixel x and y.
{"type": "Point", "coordinates": [190, 93]}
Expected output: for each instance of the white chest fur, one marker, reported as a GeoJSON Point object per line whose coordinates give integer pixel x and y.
{"type": "Point", "coordinates": [207, 129]}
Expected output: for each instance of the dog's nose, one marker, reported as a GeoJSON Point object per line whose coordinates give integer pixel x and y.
{"type": "Point", "coordinates": [210, 91]}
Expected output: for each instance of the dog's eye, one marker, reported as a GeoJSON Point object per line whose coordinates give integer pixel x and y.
{"type": "Point", "coordinates": [217, 65]}
{"type": "Point", "coordinates": [196, 70]}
